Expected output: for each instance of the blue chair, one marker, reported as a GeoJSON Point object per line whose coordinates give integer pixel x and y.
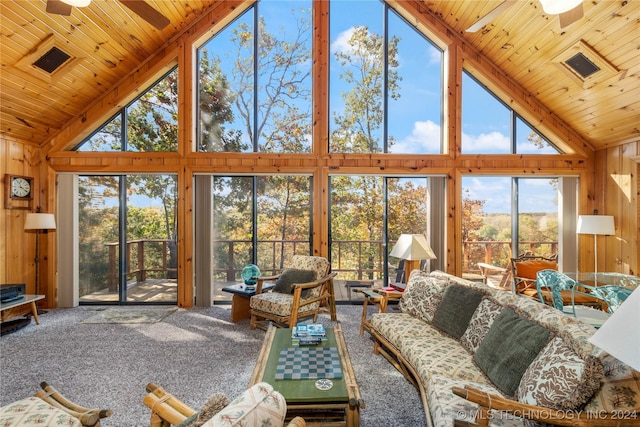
{"type": "Point", "coordinates": [551, 284]}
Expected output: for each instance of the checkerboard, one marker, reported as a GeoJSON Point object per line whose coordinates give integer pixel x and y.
{"type": "Point", "coordinates": [301, 363]}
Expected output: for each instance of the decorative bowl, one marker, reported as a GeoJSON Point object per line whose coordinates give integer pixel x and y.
{"type": "Point", "coordinates": [249, 274]}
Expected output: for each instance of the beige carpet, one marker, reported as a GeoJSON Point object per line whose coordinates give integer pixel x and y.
{"type": "Point", "coordinates": [131, 315]}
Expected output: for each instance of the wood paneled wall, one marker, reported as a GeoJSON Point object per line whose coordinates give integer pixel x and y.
{"type": "Point", "coordinates": [600, 173]}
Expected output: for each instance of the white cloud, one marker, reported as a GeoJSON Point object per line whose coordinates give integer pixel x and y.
{"type": "Point", "coordinates": [341, 43]}
{"type": "Point", "coordinates": [424, 138]}
{"type": "Point", "coordinates": [486, 143]}
{"type": "Point", "coordinates": [435, 56]}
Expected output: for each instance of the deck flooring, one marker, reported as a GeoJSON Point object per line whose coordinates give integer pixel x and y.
{"type": "Point", "coordinates": [166, 291]}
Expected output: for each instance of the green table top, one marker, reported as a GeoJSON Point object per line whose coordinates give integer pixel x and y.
{"type": "Point", "coordinates": [302, 391]}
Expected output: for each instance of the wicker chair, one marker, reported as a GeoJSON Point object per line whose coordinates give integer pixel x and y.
{"type": "Point", "coordinates": [305, 300]}
{"type": "Point", "coordinates": [49, 407]}
{"type": "Point", "coordinates": [255, 407]}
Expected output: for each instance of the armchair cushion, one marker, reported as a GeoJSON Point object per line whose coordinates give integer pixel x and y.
{"type": "Point", "coordinates": [34, 411]}
{"type": "Point", "coordinates": [260, 405]}
{"type": "Point", "coordinates": [508, 348]}
{"type": "Point", "coordinates": [292, 276]}
{"type": "Point", "coordinates": [281, 304]}
{"type": "Point", "coordinates": [529, 269]}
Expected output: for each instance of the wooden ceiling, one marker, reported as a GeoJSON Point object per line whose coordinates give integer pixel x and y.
{"type": "Point", "coordinates": [109, 41]}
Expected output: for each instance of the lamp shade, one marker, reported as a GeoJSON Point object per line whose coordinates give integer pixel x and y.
{"type": "Point", "coordinates": [619, 335]}
{"type": "Point", "coordinates": [556, 7]}
{"type": "Point", "coordinates": [77, 3]}
{"type": "Point", "coordinates": [40, 221]}
{"type": "Point", "coordinates": [596, 224]}
{"type": "Point", "coordinates": [412, 247]}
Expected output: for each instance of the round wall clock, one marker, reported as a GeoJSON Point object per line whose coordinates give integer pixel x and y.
{"type": "Point", "coordinates": [19, 187]}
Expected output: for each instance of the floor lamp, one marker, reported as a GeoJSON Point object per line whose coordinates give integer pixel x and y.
{"type": "Point", "coordinates": [596, 225]}
{"type": "Point", "coordinates": [412, 248]}
{"type": "Point", "coordinates": [39, 221]}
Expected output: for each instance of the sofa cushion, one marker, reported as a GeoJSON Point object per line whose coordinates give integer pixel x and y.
{"type": "Point", "coordinates": [479, 324]}
{"type": "Point", "coordinates": [558, 378]}
{"type": "Point", "coordinates": [438, 354]}
{"type": "Point", "coordinates": [394, 326]}
{"type": "Point", "coordinates": [445, 407]}
{"type": "Point", "coordinates": [290, 277]}
{"type": "Point", "coordinates": [508, 348]}
{"type": "Point", "coordinates": [260, 405]}
{"type": "Point", "coordinates": [422, 295]}
{"type": "Point", "coordinates": [455, 310]}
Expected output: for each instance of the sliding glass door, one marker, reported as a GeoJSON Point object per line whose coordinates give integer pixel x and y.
{"type": "Point", "coordinates": [127, 239]}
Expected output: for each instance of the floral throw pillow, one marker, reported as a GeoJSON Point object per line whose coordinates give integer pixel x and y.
{"type": "Point", "coordinates": [422, 295]}
{"type": "Point", "coordinates": [479, 324]}
{"type": "Point", "coordinates": [558, 378]}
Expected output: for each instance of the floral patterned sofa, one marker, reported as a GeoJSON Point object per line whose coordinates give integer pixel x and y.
{"type": "Point", "coordinates": [487, 356]}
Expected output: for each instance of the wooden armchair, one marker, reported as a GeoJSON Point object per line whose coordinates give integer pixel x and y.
{"type": "Point", "coordinates": [168, 410]}
{"type": "Point", "coordinates": [302, 300]}
{"type": "Point", "coordinates": [487, 402]}
{"type": "Point", "coordinates": [524, 270]}
{"type": "Point", "coordinates": [58, 406]}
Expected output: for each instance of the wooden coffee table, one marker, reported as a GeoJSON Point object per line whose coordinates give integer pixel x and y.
{"type": "Point", "coordinates": [338, 406]}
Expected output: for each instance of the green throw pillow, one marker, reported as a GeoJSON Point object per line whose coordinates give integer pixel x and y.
{"type": "Point", "coordinates": [455, 310]}
{"type": "Point", "coordinates": [290, 277]}
{"type": "Point", "coordinates": [508, 348]}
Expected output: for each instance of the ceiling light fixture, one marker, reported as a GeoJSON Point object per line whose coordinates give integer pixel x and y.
{"type": "Point", "coordinates": [77, 3]}
{"type": "Point", "coordinates": [556, 7]}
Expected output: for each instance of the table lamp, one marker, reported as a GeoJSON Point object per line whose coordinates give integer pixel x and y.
{"type": "Point", "coordinates": [619, 335]}
{"type": "Point", "coordinates": [39, 221]}
{"type": "Point", "coordinates": [412, 248]}
{"type": "Point", "coordinates": [596, 225]}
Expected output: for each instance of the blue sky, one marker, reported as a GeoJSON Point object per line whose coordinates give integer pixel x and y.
{"type": "Point", "coordinates": [415, 119]}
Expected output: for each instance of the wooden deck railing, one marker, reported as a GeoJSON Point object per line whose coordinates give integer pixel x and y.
{"type": "Point", "coordinates": [352, 259]}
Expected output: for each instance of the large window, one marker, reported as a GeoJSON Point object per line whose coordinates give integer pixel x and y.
{"type": "Point", "coordinates": [385, 83]}
{"type": "Point", "coordinates": [254, 81]}
{"type": "Point", "coordinates": [149, 123]}
{"type": "Point", "coordinates": [262, 220]}
{"type": "Point", "coordinates": [490, 127]}
{"type": "Point", "coordinates": [494, 209]}
{"type": "Point", "coordinates": [368, 215]}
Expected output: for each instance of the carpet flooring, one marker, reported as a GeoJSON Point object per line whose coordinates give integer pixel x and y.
{"type": "Point", "coordinates": [192, 353]}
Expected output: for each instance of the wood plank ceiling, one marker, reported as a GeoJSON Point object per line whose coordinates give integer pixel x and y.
{"type": "Point", "coordinates": [109, 41]}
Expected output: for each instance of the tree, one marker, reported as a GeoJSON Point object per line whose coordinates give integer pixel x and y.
{"type": "Point", "coordinates": [356, 129]}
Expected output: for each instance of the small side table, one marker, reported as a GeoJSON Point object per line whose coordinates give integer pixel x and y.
{"type": "Point", "coordinates": [240, 300]}
{"type": "Point", "coordinates": [27, 299]}
{"type": "Point", "coordinates": [379, 297]}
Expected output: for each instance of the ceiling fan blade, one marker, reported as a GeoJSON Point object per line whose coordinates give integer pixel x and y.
{"type": "Point", "coordinates": [571, 16]}
{"type": "Point", "coordinates": [58, 7]}
{"type": "Point", "coordinates": [490, 16]}
{"type": "Point", "coordinates": [148, 13]}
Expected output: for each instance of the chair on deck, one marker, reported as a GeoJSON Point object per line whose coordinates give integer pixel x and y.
{"type": "Point", "coordinates": [488, 271]}
{"type": "Point", "coordinates": [606, 298]}
{"type": "Point", "coordinates": [302, 289]}
{"type": "Point", "coordinates": [524, 270]}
